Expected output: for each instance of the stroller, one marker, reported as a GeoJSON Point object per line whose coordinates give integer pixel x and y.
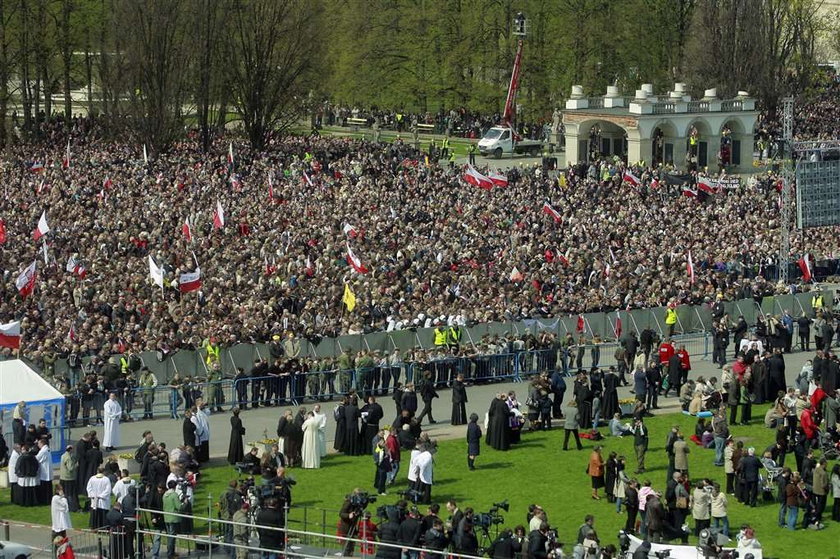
{"type": "Point", "coordinates": [768, 481]}
{"type": "Point", "coordinates": [829, 447]}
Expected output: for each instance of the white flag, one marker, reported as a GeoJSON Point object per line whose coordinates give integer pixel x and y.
{"type": "Point", "coordinates": [156, 272]}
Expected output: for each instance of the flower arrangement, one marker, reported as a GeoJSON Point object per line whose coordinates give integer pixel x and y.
{"type": "Point", "coordinates": [627, 402]}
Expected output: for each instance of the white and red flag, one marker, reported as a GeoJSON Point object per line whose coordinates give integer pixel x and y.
{"type": "Point", "coordinates": [76, 267]}
{"type": "Point", "coordinates": [2, 232]}
{"type": "Point", "coordinates": [42, 228]}
{"type": "Point", "coordinates": [564, 258]}
{"type": "Point", "coordinates": [617, 324]}
{"type": "Point", "coordinates": [107, 183]}
{"type": "Point", "coordinates": [10, 335]}
{"type": "Point", "coordinates": [186, 228]}
{"type": "Point", "coordinates": [805, 266]}
{"type": "Point", "coordinates": [65, 163]}
{"type": "Point", "coordinates": [629, 177]}
{"type": "Point", "coordinates": [230, 153]}
{"type": "Point", "coordinates": [25, 282]}
{"type": "Point", "coordinates": [156, 272]}
{"type": "Point", "coordinates": [71, 334]}
{"type": "Point", "coordinates": [308, 180]}
{"type": "Point", "coordinates": [516, 275]}
{"type": "Point", "coordinates": [309, 270]}
{"type": "Point", "coordinates": [350, 231]}
{"type": "Point", "coordinates": [549, 209]}
{"type": "Point", "coordinates": [218, 216]}
{"type": "Point", "coordinates": [354, 261]}
{"type": "Point", "coordinates": [269, 268]}
{"type": "Point", "coordinates": [707, 185]}
{"type": "Point", "coordinates": [497, 178]}
{"type": "Point", "coordinates": [689, 192]}
{"type": "Point", "coordinates": [37, 167]}
{"type": "Point", "coordinates": [689, 268]}
{"type": "Point", "coordinates": [581, 324]}
{"type": "Point", "coordinates": [472, 176]}
{"type": "Point", "coordinates": [190, 281]}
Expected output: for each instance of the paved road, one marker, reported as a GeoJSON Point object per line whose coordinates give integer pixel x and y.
{"type": "Point", "coordinates": [263, 421]}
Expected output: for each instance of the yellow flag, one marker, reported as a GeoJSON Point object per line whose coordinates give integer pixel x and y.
{"type": "Point", "coordinates": [349, 298]}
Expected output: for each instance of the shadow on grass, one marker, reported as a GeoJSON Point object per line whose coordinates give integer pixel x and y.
{"type": "Point", "coordinates": [494, 466]}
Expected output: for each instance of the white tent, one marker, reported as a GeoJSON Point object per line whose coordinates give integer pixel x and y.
{"type": "Point", "coordinates": [20, 382]}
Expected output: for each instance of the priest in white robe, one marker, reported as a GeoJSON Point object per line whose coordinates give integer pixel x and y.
{"type": "Point", "coordinates": [111, 414]}
{"type": "Point", "coordinates": [321, 420]}
{"type": "Point", "coordinates": [44, 458]}
{"type": "Point", "coordinates": [99, 493]}
{"type": "Point", "coordinates": [310, 453]}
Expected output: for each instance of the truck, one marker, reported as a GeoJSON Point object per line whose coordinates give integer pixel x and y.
{"type": "Point", "coordinates": [502, 138]}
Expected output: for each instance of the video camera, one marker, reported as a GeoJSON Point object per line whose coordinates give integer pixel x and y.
{"type": "Point", "coordinates": [360, 500]}
{"type": "Point", "coordinates": [492, 516]}
{"type": "Point", "coordinates": [387, 512]}
{"type": "Point", "coordinates": [411, 495]}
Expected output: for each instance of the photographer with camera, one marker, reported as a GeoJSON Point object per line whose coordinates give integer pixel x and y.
{"type": "Point", "coordinates": [389, 532]}
{"type": "Point", "coordinates": [538, 542]}
{"type": "Point", "coordinates": [348, 518]}
{"type": "Point", "coordinates": [270, 521]}
{"type": "Point", "coordinates": [409, 533]}
{"type": "Point", "coordinates": [229, 503]}
{"type": "Point", "coordinates": [506, 546]}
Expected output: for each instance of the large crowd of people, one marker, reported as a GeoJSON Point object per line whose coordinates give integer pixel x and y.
{"type": "Point", "coordinates": [436, 249]}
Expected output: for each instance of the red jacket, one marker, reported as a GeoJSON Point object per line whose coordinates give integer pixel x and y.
{"type": "Point", "coordinates": [808, 426]}
{"type": "Point", "coordinates": [817, 397]}
{"type": "Point", "coordinates": [684, 360]}
{"type": "Point", "coordinates": [666, 351]}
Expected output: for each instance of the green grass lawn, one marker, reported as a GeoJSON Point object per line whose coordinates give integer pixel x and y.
{"type": "Point", "coordinates": [534, 471]}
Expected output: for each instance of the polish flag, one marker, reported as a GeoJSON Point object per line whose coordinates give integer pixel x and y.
{"type": "Point", "coordinates": [71, 334]}
{"type": "Point", "coordinates": [270, 189]}
{"type": "Point", "coordinates": [689, 193]}
{"type": "Point", "coordinates": [65, 163]}
{"type": "Point", "coordinates": [498, 179]}
{"type": "Point", "coordinates": [654, 184]}
{"type": "Point", "coordinates": [308, 180]}
{"type": "Point", "coordinates": [581, 325]}
{"type": "Point", "coordinates": [235, 183]}
{"type": "Point", "coordinates": [76, 268]}
{"type": "Point", "coordinates": [218, 216]}
{"type": "Point", "coordinates": [10, 335]}
{"type": "Point", "coordinates": [230, 153]}
{"type": "Point", "coordinates": [2, 232]}
{"type": "Point", "coordinates": [516, 275]}
{"type": "Point", "coordinates": [564, 258]}
{"type": "Point", "coordinates": [37, 167]}
{"type": "Point", "coordinates": [354, 261]}
{"type": "Point", "coordinates": [107, 183]}
{"type": "Point", "coordinates": [548, 209]}
{"type": "Point", "coordinates": [190, 281]}
{"type": "Point", "coordinates": [309, 270]}
{"type": "Point", "coordinates": [42, 228]}
{"type": "Point", "coordinates": [156, 272]}
{"type": "Point", "coordinates": [707, 185]}
{"type": "Point", "coordinates": [631, 178]}
{"type": "Point", "coordinates": [617, 324]}
{"type": "Point", "coordinates": [350, 231]}
{"type": "Point", "coordinates": [472, 176]}
{"type": "Point", "coordinates": [805, 266]}
{"type": "Point", "coordinates": [690, 269]}
{"type": "Point", "coordinates": [607, 270]}
{"type": "Point", "coordinates": [187, 229]}
{"type": "Point", "coordinates": [269, 268]}
{"type": "Point", "coordinates": [25, 282]}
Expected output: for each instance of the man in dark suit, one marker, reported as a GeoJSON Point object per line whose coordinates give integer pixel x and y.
{"type": "Point", "coordinates": [537, 542]}
{"type": "Point", "coordinates": [750, 468]}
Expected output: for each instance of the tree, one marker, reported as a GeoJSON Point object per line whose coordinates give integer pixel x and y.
{"type": "Point", "coordinates": [156, 60]}
{"type": "Point", "coordinates": [273, 44]}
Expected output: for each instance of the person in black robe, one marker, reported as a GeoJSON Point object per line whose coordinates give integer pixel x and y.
{"type": "Point", "coordinates": [583, 397]}
{"type": "Point", "coordinates": [339, 443]}
{"type": "Point", "coordinates": [409, 400]}
{"type": "Point", "coordinates": [372, 414]}
{"type": "Point", "coordinates": [188, 429]}
{"type": "Point", "coordinates": [93, 459]}
{"type": "Point", "coordinates": [498, 425]}
{"type": "Point", "coordinates": [27, 471]}
{"type": "Point", "coordinates": [80, 450]}
{"type": "Point", "coordinates": [473, 441]}
{"type": "Point", "coordinates": [294, 439]}
{"type": "Point", "coordinates": [776, 373]}
{"type": "Point", "coordinates": [236, 449]}
{"type": "Point", "coordinates": [352, 443]}
{"type": "Point", "coordinates": [609, 401]}
{"type": "Point", "coordinates": [459, 401]}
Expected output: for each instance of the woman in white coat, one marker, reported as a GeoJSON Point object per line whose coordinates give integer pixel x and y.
{"type": "Point", "coordinates": [60, 512]}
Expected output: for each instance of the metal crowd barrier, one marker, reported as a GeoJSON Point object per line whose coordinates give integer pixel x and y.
{"type": "Point", "coordinates": [296, 389]}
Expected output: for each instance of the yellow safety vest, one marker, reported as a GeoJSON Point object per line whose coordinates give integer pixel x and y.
{"type": "Point", "coordinates": [453, 335]}
{"type": "Point", "coordinates": [817, 301]}
{"type": "Point", "coordinates": [124, 363]}
{"type": "Point", "coordinates": [440, 336]}
{"type": "Point", "coordinates": [213, 352]}
{"type": "Point", "coordinates": [670, 316]}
